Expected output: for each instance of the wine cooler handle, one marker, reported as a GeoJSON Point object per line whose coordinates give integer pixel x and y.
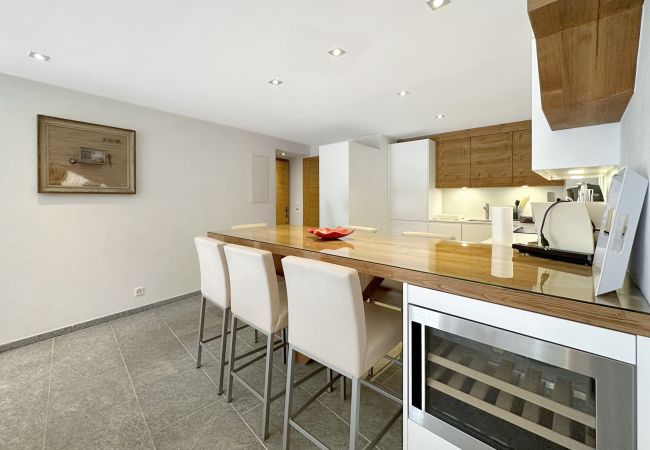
{"type": "Point", "coordinates": [416, 378]}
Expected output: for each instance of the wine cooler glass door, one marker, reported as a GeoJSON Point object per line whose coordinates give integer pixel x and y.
{"type": "Point", "coordinates": [483, 387]}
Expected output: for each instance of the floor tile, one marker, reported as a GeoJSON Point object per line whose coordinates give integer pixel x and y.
{"type": "Point", "coordinates": [172, 392]}
{"type": "Point", "coordinates": [214, 427]}
{"type": "Point", "coordinates": [81, 410]}
{"type": "Point", "coordinates": [22, 414]}
{"type": "Point", "coordinates": [25, 364]}
{"type": "Point", "coordinates": [147, 343]}
{"type": "Point", "coordinates": [376, 410]}
{"type": "Point", "coordinates": [183, 319]}
{"type": "Point", "coordinates": [128, 435]}
{"type": "Point", "coordinates": [253, 418]}
{"type": "Point", "coordinates": [243, 399]}
{"type": "Point", "coordinates": [86, 353]}
{"type": "Point", "coordinates": [327, 427]}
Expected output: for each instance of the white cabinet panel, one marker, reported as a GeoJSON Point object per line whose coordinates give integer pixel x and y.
{"type": "Point", "coordinates": [476, 232]}
{"type": "Point", "coordinates": [643, 392]}
{"type": "Point", "coordinates": [446, 229]}
{"type": "Point", "coordinates": [399, 226]}
{"type": "Point", "coordinates": [419, 438]}
{"type": "Point", "coordinates": [409, 178]}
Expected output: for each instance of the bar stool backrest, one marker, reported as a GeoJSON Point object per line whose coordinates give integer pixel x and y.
{"type": "Point", "coordinates": [326, 313]}
{"type": "Point", "coordinates": [255, 297]}
{"type": "Point", "coordinates": [215, 283]}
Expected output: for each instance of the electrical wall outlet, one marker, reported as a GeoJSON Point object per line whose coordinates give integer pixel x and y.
{"type": "Point", "coordinates": [137, 292]}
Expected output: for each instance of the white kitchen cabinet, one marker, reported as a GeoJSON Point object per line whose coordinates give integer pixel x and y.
{"type": "Point", "coordinates": [446, 229]}
{"type": "Point", "coordinates": [476, 232]}
{"type": "Point", "coordinates": [413, 195]}
{"type": "Point", "coordinates": [397, 227]}
{"type": "Point", "coordinates": [353, 185]}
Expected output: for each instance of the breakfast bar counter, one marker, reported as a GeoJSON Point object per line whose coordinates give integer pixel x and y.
{"type": "Point", "coordinates": [494, 274]}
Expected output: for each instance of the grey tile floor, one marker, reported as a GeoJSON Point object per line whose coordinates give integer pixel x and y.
{"type": "Point", "coordinates": [132, 384]}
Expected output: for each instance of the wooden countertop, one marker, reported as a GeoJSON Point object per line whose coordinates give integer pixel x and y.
{"type": "Point", "coordinates": [481, 271]}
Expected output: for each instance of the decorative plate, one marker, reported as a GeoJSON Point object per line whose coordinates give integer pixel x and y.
{"type": "Point", "coordinates": [329, 233]}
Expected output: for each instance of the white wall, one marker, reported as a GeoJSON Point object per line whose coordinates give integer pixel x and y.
{"type": "Point", "coordinates": [334, 184]}
{"type": "Point", "coordinates": [635, 148]}
{"type": "Point", "coordinates": [69, 258]}
{"type": "Point", "coordinates": [469, 202]}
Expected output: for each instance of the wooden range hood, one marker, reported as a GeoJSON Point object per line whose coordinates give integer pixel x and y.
{"type": "Point", "coordinates": [587, 53]}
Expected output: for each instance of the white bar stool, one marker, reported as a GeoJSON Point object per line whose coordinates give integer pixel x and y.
{"type": "Point", "coordinates": [324, 297]}
{"type": "Point", "coordinates": [258, 300]}
{"type": "Point", "coordinates": [215, 288]}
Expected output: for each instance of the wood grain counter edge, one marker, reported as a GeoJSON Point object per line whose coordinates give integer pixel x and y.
{"type": "Point", "coordinates": [578, 311]}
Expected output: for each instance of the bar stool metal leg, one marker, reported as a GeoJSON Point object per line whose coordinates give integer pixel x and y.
{"type": "Point", "coordinates": [328, 378]}
{"type": "Point", "coordinates": [284, 346]}
{"type": "Point", "coordinates": [342, 388]}
{"type": "Point", "coordinates": [267, 386]}
{"type": "Point", "coordinates": [286, 429]}
{"type": "Point", "coordinates": [354, 413]}
{"type": "Point", "coordinates": [231, 359]}
{"type": "Point", "coordinates": [201, 325]}
{"type": "Point", "coordinates": [255, 338]}
{"type": "Point", "coordinates": [222, 355]}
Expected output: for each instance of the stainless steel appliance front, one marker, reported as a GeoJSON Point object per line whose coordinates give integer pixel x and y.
{"type": "Point", "coordinates": [481, 387]}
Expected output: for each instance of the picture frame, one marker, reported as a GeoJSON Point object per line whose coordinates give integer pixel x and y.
{"type": "Point", "coordinates": [85, 158]}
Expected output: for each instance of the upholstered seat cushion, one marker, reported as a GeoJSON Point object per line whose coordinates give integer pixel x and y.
{"type": "Point", "coordinates": [383, 332]}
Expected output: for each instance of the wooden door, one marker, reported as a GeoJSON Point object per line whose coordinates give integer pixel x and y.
{"type": "Point", "coordinates": [281, 191]}
{"type": "Point", "coordinates": [491, 161]}
{"type": "Point", "coordinates": [453, 163]}
{"type": "Point", "coordinates": [310, 195]}
{"type": "Point", "coordinates": [522, 162]}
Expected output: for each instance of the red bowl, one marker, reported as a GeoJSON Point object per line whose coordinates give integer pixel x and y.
{"type": "Point", "coordinates": [329, 233]}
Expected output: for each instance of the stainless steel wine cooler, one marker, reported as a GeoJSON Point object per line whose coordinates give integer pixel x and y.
{"type": "Point", "coordinates": [481, 387]}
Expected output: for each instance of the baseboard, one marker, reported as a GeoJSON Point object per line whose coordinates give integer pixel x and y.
{"type": "Point", "coordinates": [91, 323]}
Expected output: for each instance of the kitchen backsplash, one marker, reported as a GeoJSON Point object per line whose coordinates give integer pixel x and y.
{"type": "Point", "coordinates": [469, 202]}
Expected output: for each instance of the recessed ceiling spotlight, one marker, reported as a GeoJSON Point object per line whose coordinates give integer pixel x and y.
{"type": "Point", "coordinates": [437, 4]}
{"type": "Point", "coordinates": [439, 116]}
{"type": "Point", "coordinates": [403, 93]}
{"type": "Point", "coordinates": [275, 82]}
{"type": "Point", "coordinates": [283, 154]}
{"type": "Point", "coordinates": [38, 56]}
{"type": "Point", "coordinates": [337, 51]}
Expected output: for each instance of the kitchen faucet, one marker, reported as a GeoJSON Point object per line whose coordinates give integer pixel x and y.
{"type": "Point", "coordinates": [486, 208]}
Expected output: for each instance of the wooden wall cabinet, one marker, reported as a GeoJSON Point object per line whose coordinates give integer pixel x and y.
{"type": "Point", "coordinates": [522, 172]}
{"type": "Point", "coordinates": [492, 156]}
{"type": "Point", "coordinates": [587, 53]}
{"type": "Point", "coordinates": [453, 163]}
{"type": "Point", "coordinates": [491, 160]}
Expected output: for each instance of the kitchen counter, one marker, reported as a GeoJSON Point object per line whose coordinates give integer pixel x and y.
{"type": "Point", "coordinates": [480, 271]}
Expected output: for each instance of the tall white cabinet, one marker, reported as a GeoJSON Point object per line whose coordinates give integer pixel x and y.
{"type": "Point", "coordinates": [353, 185]}
{"type": "Point", "coordinates": [413, 194]}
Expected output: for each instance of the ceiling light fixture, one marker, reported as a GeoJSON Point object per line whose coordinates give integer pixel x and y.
{"type": "Point", "coordinates": [283, 154]}
{"type": "Point", "coordinates": [275, 82]}
{"type": "Point", "coordinates": [403, 93]}
{"type": "Point", "coordinates": [337, 51]}
{"type": "Point", "coordinates": [439, 116]}
{"type": "Point", "coordinates": [38, 56]}
{"type": "Point", "coordinates": [437, 4]}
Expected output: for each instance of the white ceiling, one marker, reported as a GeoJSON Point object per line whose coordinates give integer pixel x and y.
{"type": "Point", "coordinates": [211, 59]}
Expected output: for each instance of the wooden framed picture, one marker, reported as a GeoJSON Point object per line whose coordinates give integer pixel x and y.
{"type": "Point", "coordinates": [79, 157]}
